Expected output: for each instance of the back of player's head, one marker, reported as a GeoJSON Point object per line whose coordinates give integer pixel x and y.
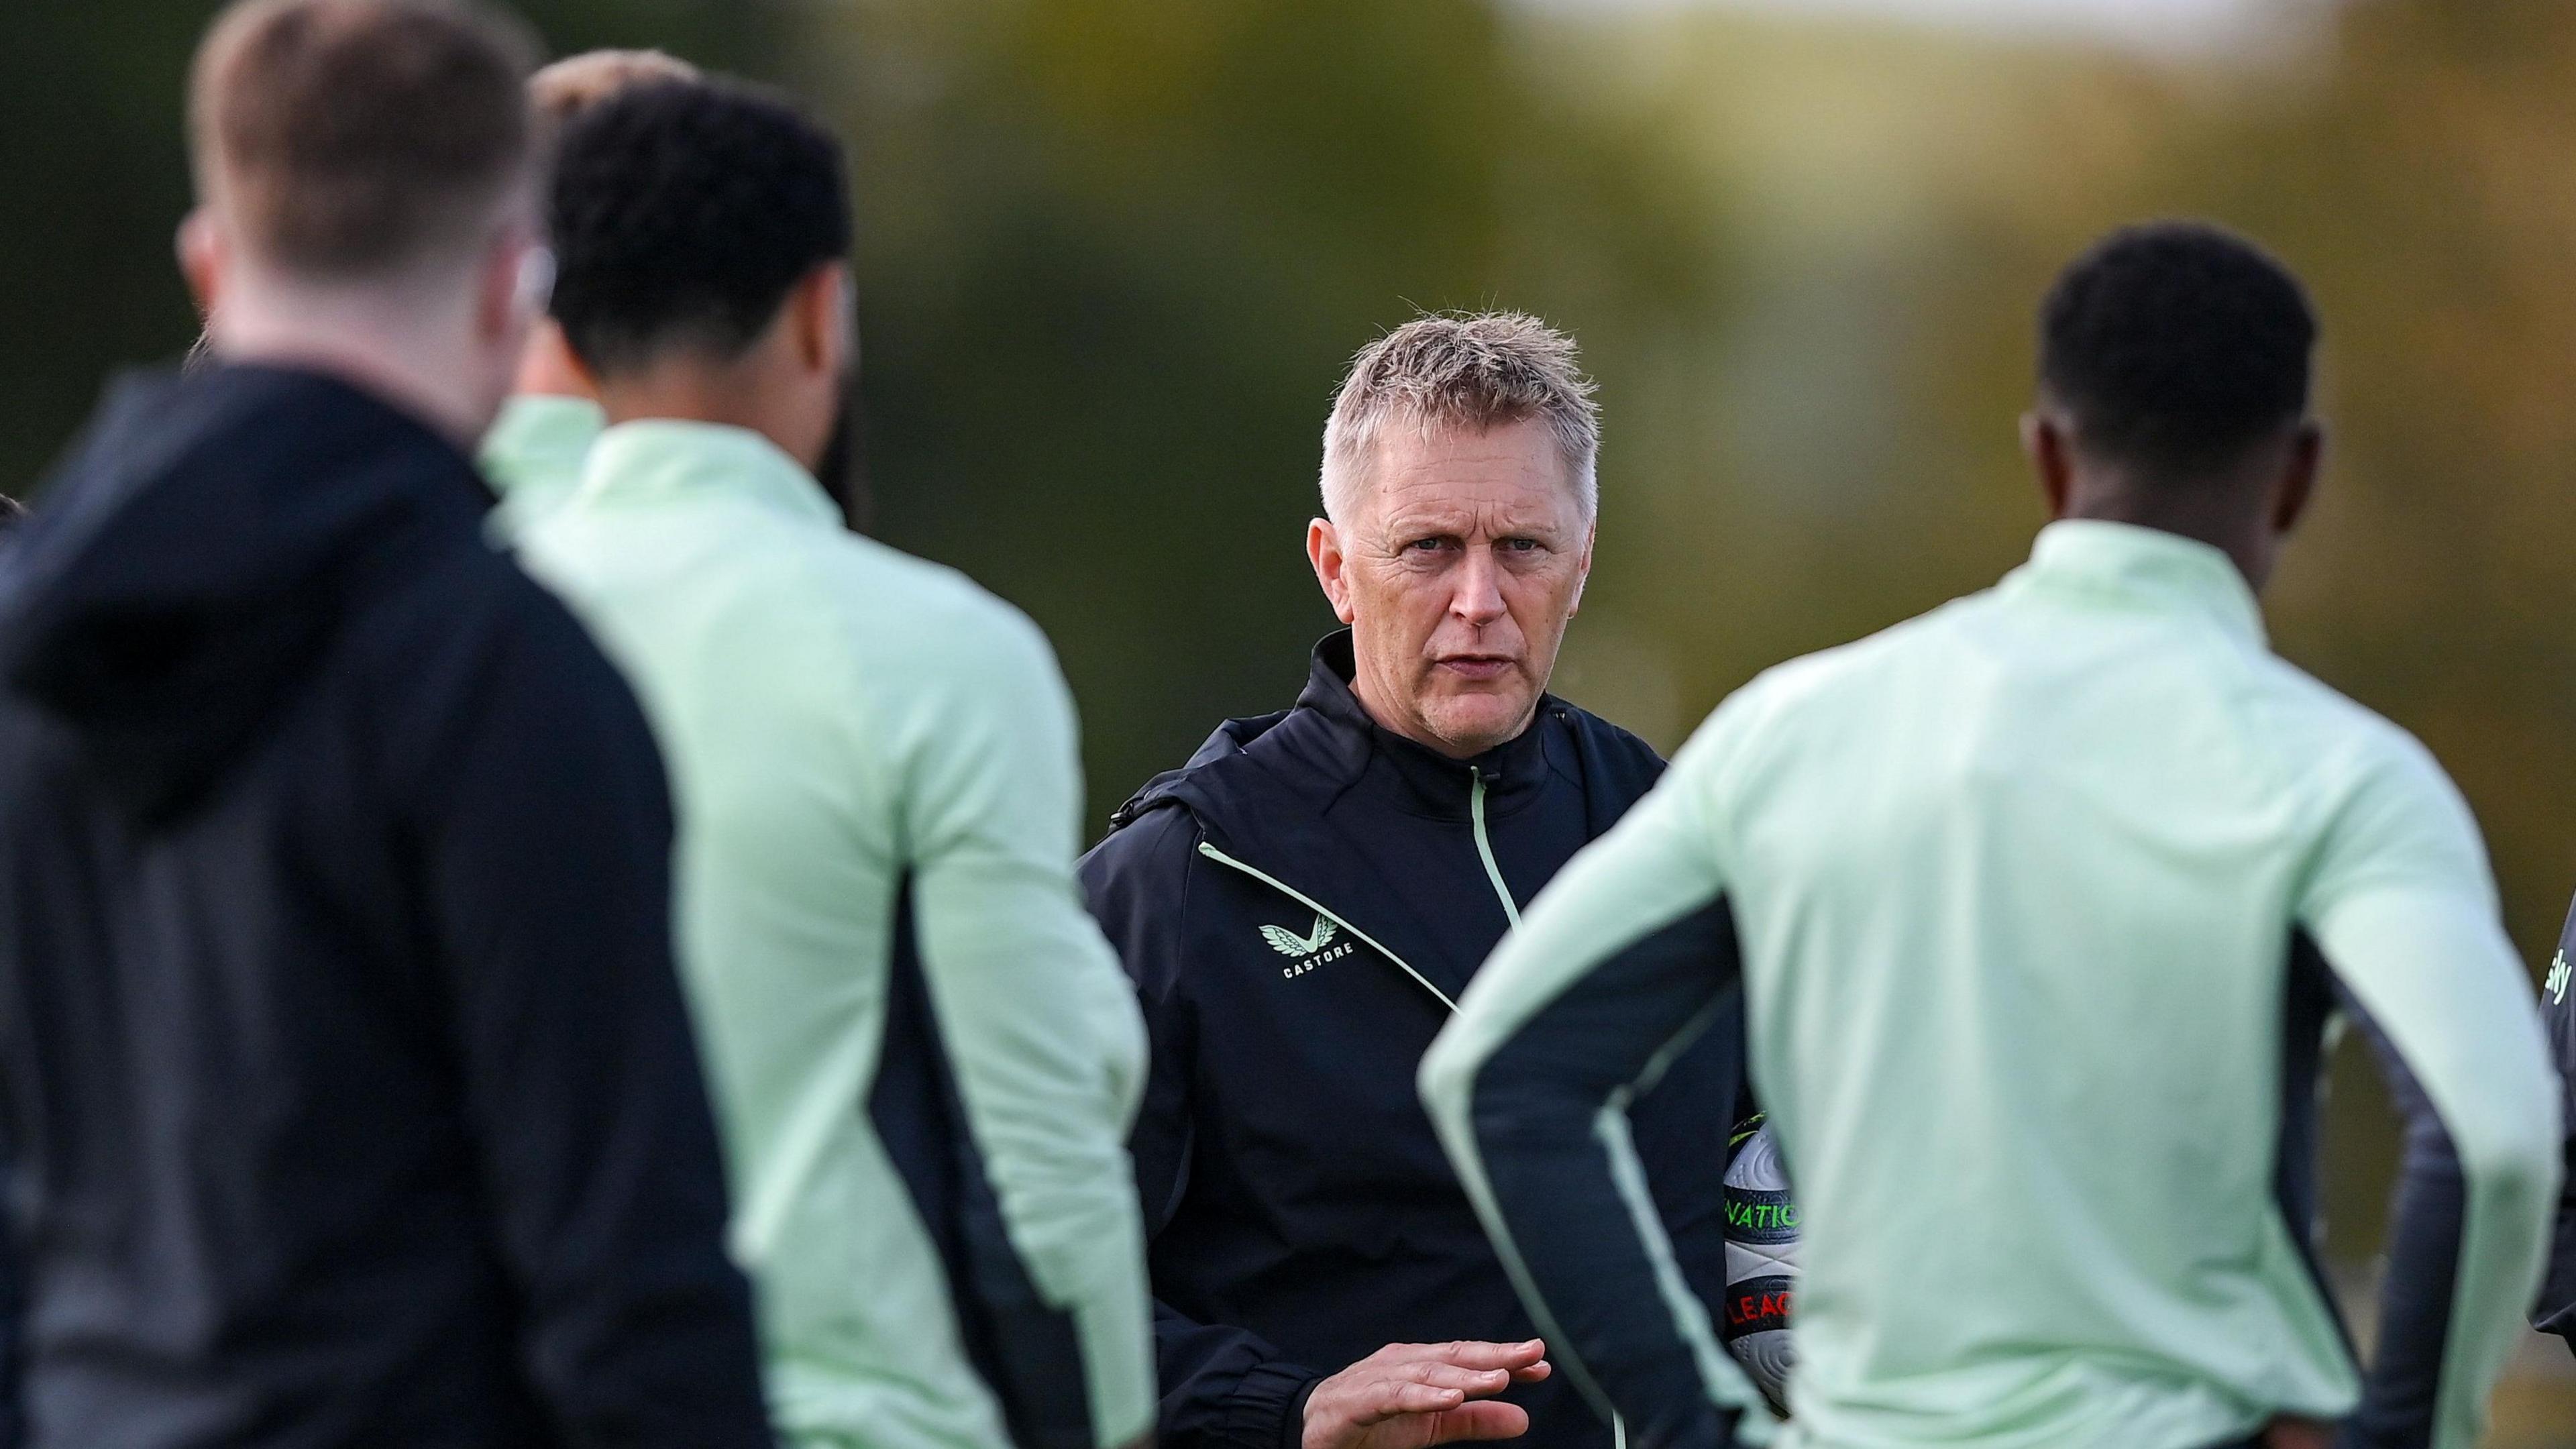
{"type": "Point", "coordinates": [354, 139]}
{"type": "Point", "coordinates": [683, 217]}
{"type": "Point", "coordinates": [574, 84]}
{"type": "Point", "coordinates": [2174, 347]}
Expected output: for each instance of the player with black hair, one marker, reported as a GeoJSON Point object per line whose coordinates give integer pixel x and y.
{"type": "Point", "coordinates": [2039, 905]}
{"type": "Point", "coordinates": [532, 455]}
{"type": "Point", "coordinates": [924, 1051]}
{"type": "Point", "coordinates": [2175, 348]}
{"type": "Point", "coordinates": [683, 219]}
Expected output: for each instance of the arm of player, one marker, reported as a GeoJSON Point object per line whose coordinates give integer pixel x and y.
{"type": "Point", "coordinates": [1617, 967]}
{"type": "Point", "coordinates": [2556, 1311]}
{"type": "Point", "coordinates": [1037, 1021]}
{"type": "Point", "coordinates": [2401, 905]}
{"type": "Point", "coordinates": [547, 836]}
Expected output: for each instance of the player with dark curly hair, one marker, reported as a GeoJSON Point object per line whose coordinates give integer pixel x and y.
{"type": "Point", "coordinates": [924, 1050]}
{"type": "Point", "coordinates": [533, 454]}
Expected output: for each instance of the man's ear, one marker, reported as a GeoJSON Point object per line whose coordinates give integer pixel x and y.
{"type": "Point", "coordinates": [1324, 551]}
{"type": "Point", "coordinates": [2044, 440]}
{"type": "Point", "coordinates": [820, 319]}
{"type": "Point", "coordinates": [2297, 487]}
{"type": "Point", "coordinates": [204, 251]}
{"type": "Point", "coordinates": [504, 307]}
{"type": "Point", "coordinates": [1583, 567]}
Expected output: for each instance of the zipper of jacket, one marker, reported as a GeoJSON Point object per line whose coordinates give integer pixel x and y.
{"type": "Point", "coordinates": [1310, 903]}
{"type": "Point", "coordinates": [1485, 847]}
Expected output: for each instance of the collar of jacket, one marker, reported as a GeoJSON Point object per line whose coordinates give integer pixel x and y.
{"type": "Point", "coordinates": [1324, 745]}
{"type": "Point", "coordinates": [1427, 781]}
{"type": "Point", "coordinates": [1262, 791]}
{"type": "Point", "coordinates": [655, 460]}
{"type": "Point", "coordinates": [535, 449]}
{"type": "Point", "coordinates": [2127, 564]}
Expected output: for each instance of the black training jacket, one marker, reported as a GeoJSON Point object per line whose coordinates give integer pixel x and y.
{"type": "Point", "coordinates": [344, 1076]}
{"type": "Point", "coordinates": [2556, 1311]}
{"type": "Point", "coordinates": [1299, 906]}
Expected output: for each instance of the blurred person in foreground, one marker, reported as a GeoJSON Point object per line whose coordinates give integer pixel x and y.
{"type": "Point", "coordinates": [923, 1052]}
{"type": "Point", "coordinates": [533, 453]}
{"type": "Point", "coordinates": [1303, 902]}
{"type": "Point", "coordinates": [350, 1098]}
{"type": "Point", "coordinates": [2040, 904]}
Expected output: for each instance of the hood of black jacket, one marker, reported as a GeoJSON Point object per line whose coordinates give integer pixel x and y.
{"type": "Point", "coordinates": [201, 547]}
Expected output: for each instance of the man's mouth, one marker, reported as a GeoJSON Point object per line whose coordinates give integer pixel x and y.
{"type": "Point", "coordinates": [1476, 666]}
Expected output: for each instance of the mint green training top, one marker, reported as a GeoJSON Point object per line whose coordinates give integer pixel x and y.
{"type": "Point", "coordinates": [533, 456]}
{"type": "Point", "coordinates": [2018, 888]}
{"type": "Point", "coordinates": [925, 1056]}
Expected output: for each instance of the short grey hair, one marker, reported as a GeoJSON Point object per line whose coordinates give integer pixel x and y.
{"type": "Point", "coordinates": [1473, 370]}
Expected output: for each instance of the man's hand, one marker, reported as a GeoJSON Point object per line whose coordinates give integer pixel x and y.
{"type": "Point", "coordinates": [1408, 1395]}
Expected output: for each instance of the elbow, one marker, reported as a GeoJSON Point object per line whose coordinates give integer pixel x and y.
{"type": "Point", "coordinates": [2514, 1154]}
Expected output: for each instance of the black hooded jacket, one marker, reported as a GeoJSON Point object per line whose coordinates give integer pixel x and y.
{"type": "Point", "coordinates": [1299, 906]}
{"type": "Point", "coordinates": [346, 1085]}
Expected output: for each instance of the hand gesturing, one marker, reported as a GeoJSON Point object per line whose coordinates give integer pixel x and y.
{"type": "Point", "coordinates": [1410, 1395]}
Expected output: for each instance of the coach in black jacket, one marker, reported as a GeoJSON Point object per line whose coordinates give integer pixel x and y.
{"type": "Point", "coordinates": [344, 1076]}
{"type": "Point", "coordinates": [1303, 902]}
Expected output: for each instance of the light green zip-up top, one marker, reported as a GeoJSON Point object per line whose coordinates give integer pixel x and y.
{"type": "Point", "coordinates": [855, 735]}
{"type": "Point", "coordinates": [2015, 885]}
{"type": "Point", "coordinates": [533, 456]}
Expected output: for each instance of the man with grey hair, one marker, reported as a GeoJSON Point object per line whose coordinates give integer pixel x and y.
{"type": "Point", "coordinates": [1302, 904]}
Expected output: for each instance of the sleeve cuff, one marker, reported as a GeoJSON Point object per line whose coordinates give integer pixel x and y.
{"type": "Point", "coordinates": [1267, 1409]}
{"type": "Point", "coordinates": [1292, 1425]}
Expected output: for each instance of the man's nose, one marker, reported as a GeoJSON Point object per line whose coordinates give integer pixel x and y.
{"type": "Point", "coordinates": [1477, 599]}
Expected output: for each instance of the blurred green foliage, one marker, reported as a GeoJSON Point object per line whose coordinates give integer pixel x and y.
{"type": "Point", "coordinates": [1115, 252]}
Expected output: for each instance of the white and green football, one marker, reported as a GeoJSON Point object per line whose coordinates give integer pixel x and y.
{"type": "Point", "coordinates": [1761, 1259]}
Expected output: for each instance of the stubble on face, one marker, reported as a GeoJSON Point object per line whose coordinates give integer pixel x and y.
{"type": "Point", "coordinates": [1462, 563]}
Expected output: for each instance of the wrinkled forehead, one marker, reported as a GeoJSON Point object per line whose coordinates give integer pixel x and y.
{"type": "Point", "coordinates": [1509, 476]}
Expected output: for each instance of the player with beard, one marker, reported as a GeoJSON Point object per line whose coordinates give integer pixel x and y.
{"type": "Point", "coordinates": [922, 1050]}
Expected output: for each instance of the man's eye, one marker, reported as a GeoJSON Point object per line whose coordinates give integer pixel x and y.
{"type": "Point", "coordinates": [1521, 545]}
{"type": "Point", "coordinates": [1422, 545]}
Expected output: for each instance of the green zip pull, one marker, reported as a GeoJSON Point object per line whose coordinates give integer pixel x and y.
{"type": "Point", "coordinates": [1485, 847]}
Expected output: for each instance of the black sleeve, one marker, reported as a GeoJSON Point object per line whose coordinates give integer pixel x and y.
{"type": "Point", "coordinates": [2400, 1391]}
{"type": "Point", "coordinates": [2556, 1311]}
{"type": "Point", "coordinates": [1545, 1107]}
{"type": "Point", "coordinates": [1221, 1386]}
{"type": "Point", "coordinates": [1681, 1129]}
{"type": "Point", "coordinates": [546, 845]}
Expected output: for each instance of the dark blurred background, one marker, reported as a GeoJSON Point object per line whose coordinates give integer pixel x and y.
{"type": "Point", "coordinates": [1114, 253]}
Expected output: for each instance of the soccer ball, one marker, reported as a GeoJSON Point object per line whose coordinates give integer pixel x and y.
{"type": "Point", "coordinates": [1761, 1259]}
